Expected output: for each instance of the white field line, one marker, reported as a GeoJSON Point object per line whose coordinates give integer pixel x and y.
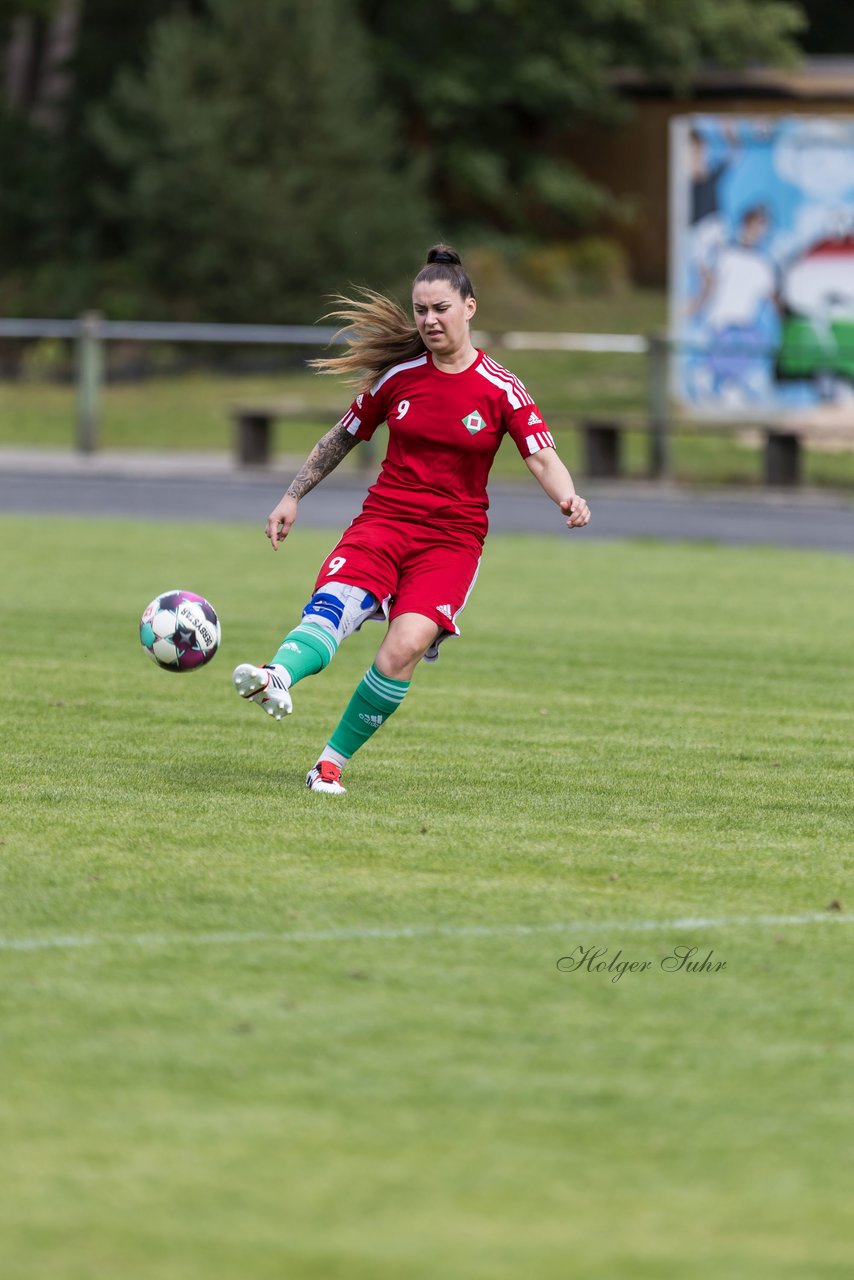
{"type": "Point", "coordinates": [62, 942]}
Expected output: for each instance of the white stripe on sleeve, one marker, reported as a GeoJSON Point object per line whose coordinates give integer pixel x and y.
{"type": "Point", "coordinates": [519, 389]}
{"type": "Point", "coordinates": [539, 440]}
{"type": "Point", "coordinates": [353, 425]}
{"type": "Point", "coordinates": [505, 386]}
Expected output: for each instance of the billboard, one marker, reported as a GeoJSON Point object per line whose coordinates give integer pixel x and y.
{"type": "Point", "coordinates": [762, 264]}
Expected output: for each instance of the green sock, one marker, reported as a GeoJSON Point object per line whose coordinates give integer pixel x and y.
{"type": "Point", "coordinates": [376, 698]}
{"type": "Point", "coordinates": [305, 650]}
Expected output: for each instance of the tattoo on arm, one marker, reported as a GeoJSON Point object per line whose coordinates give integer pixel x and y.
{"type": "Point", "coordinates": [324, 457]}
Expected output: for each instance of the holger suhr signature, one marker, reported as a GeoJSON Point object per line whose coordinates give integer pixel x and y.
{"type": "Point", "coordinates": [682, 959]}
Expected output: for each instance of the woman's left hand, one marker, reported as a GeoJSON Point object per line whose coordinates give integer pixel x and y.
{"type": "Point", "coordinates": [576, 511]}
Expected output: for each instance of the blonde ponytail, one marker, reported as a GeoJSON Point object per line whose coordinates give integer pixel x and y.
{"type": "Point", "coordinates": [378, 334]}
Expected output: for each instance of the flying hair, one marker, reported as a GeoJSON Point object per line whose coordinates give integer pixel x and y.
{"type": "Point", "coordinates": [377, 332]}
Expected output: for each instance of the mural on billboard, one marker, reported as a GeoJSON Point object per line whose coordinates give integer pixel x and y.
{"type": "Point", "coordinates": [762, 263]}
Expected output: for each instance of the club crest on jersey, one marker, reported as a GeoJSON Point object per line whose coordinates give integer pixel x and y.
{"type": "Point", "coordinates": [473, 423]}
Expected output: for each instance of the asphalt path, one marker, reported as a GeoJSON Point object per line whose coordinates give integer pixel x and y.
{"type": "Point", "coordinates": [735, 519]}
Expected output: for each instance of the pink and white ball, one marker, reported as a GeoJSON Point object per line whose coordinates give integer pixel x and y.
{"type": "Point", "coordinates": [180, 631]}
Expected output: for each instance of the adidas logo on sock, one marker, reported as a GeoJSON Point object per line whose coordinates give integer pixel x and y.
{"type": "Point", "coordinates": [445, 609]}
{"type": "Point", "coordinates": [373, 721]}
{"type": "Point", "coordinates": [533, 420]}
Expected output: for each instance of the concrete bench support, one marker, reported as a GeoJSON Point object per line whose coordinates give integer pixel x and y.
{"type": "Point", "coordinates": [253, 437]}
{"type": "Point", "coordinates": [783, 458]}
{"type": "Point", "coordinates": [602, 441]}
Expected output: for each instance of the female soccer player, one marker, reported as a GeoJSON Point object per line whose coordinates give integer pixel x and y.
{"type": "Point", "coordinates": [411, 557]}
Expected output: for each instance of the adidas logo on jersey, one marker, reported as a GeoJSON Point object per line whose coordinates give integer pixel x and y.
{"type": "Point", "coordinates": [445, 609]}
{"type": "Point", "coordinates": [373, 721]}
{"type": "Point", "coordinates": [473, 423]}
{"type": "Point", "coordinates": [533, 420]}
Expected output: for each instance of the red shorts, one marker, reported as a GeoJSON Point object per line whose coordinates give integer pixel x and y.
{"type": "Point", "coordinates": [409, 567]}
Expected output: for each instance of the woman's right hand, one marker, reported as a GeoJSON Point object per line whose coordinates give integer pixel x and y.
{"type": "Point", "coordinates": [280, 519]}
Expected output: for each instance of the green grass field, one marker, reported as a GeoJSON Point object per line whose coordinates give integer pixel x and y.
{"type": "Point", "coordinates": [253, 1032]}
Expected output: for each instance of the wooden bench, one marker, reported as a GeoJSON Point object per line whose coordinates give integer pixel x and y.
{"type": "Point", "coordinates": [254, 424]}
{"type": "Point", "coordinates": [784, 442]}
{"type": "Point", "coordinates": [601, 442]}
{"type": "Point", "coordinates": [782, 445]}
{"type": "Point", "coordinates": [602, 439]}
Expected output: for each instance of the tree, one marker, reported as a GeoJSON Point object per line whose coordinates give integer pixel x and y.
{"type": "Point", "coordinates": [60, 57]}
{"type": "Point", "coordinates": [489, 88]}
{"type": "Point", "coordinates": [37, 39]}
{"type": "Point", "coordinates": [255, 167]}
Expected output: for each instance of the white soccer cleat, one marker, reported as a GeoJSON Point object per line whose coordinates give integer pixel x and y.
{"type": "Point", "coordinates": [265, 686]}
{"type": "Point", "coordinates": [325, 776]}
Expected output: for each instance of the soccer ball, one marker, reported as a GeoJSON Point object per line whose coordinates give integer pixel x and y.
{"type": "Point", "coordinates": [180, 631]}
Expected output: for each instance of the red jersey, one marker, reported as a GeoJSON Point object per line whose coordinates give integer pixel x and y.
{"type": "Point", "coordinates": [444, 432]}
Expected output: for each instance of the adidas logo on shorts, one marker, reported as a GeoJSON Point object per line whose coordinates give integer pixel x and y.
{"type": "Point", "coordinates": [533, 420]}
{"type": "Point", "coordinates": [445, 609]}
{"type": "Point", "coordinates": [373, 721]}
